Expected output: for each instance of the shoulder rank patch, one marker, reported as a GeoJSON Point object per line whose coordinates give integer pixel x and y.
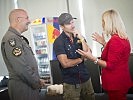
{"type": "Point", "coordinates": [17, 51]}
{"type": "Point", "coordinates": [12, 42]}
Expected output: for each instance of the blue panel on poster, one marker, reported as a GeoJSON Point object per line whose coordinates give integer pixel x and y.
{"type": "Point", "coordinates": [43, 20]}
{"type": "Point", "coordinates": [55, 23]}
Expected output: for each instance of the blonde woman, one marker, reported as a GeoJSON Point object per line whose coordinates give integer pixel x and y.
{"type": "Point", "coordinates": [116, 78]}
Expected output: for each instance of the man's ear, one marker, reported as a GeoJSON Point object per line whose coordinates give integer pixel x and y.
{"type": "Point", "coordinates": [18, 20]}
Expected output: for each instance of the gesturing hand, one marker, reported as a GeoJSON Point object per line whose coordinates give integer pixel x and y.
{"type": "Point", "coordinates": [98, 38]}
{"type": "Point", "coordinates": [85, 54]}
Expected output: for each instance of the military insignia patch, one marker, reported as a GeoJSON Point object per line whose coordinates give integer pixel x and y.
{"type": "Point", "coordinates": [12, 42]}
{"type": "Point", "coordinates": [17, 51]}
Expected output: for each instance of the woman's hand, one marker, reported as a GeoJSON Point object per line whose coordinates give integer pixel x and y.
{"type": "Point", "coordinates": [98, 38]}
{"type": "Point", "coordinates": [87, 54]}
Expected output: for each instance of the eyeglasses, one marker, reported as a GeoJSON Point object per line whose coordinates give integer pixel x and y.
{"type": "Point", "coordinates": [24, 17]}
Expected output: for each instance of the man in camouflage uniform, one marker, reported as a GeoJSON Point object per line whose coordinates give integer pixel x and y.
{"type": "Point", "coordinates": [24, 80]}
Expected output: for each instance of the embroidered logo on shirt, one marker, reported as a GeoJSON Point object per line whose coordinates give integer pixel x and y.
{"type": "Point", "coordinates": [17, 51]}
{"type": "Point", "coordinates": [12, 42]}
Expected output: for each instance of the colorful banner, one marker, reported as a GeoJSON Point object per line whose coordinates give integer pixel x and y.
{"type": "Point", "coordinates": [53, 29]}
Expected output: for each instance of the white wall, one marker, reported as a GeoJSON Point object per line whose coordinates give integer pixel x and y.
{"type": "Point", "coordinates": [92, 10]}
{"type": "Point", "coordinates": [42, 8]}
{"type": "Point", "coordinates": [35, 9]}
{"type": "Point", "coordinates": [5, 7]}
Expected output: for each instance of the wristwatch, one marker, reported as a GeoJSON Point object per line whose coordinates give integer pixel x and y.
{"type": "Point", "coordinates": [96, 61]}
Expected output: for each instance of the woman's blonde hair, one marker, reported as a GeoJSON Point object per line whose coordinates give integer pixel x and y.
{"type": "Point", "coordinates": [113, 24]}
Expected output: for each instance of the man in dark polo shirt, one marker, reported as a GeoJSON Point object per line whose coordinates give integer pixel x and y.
{"type": "Point", "coordinates": [76, 79]}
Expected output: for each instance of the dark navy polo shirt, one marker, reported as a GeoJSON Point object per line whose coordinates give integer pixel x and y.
{"type": "Point", "coordinates": [73, 75]}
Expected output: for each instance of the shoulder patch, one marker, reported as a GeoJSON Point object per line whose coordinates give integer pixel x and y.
{"type": "Point", "coordinates": [17, 51]}
{"type": "Point", "coordinates": [12, 42]}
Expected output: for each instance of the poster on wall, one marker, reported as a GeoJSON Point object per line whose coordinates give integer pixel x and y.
{"type": "Point", "coordinates": [52, 30]}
